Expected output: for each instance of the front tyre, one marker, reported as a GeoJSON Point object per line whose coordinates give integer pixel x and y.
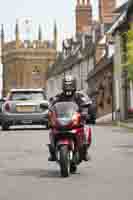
{"type": "Point", "coordinates": [73, 168]}
{"type": "Point", "coordinates": [64, 161]}
{"type": "Point", "coordinates": [5, 126]}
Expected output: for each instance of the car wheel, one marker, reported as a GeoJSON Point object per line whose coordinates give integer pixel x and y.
{"type": "Point", "coordinates": [47, 126]}
{"type": "Point", "coordinates": [5, 126]}
{"type": "Point", "coordinates": [73, 168]}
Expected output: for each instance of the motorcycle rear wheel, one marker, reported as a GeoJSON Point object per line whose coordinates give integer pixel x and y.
{"type": "Point", "coordinates": [64, 161]}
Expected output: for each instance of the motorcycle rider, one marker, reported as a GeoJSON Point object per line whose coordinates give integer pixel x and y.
{"type": "Point", "coordinates": [69, 87]}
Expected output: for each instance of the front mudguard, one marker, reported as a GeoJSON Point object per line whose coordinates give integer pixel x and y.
{"type": "Point", "coordinates": [51, 148]}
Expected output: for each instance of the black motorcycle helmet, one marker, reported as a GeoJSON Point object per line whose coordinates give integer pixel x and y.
{"type": "Point", "coordinates": [69, 85]}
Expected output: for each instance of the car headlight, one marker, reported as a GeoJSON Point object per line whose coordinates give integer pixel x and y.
{"type": "Point", "coordinates": [46, 112]}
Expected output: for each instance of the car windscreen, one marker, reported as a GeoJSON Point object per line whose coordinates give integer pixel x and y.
{"type": "Point", "coordinates": [26, 95]}
{"type": "Point", "coordinates": [65, 109]}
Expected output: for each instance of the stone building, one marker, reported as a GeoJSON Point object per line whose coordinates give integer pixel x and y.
{"type": "Point", "coordinates": [25, 63]}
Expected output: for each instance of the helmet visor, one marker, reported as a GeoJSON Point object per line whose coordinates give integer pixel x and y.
{"type": "Point", "coordinates": [68, 86]}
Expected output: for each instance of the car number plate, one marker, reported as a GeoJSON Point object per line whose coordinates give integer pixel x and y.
{"type": "Point", "coordinates": [24, 109]}
{"type": "Point", "coordinates": [27, 121]}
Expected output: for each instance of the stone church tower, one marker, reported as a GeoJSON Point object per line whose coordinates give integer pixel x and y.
{"type": "Point", "coordinates": [25, 63]}
{"type": "Point", "coordinates": [83, 16]}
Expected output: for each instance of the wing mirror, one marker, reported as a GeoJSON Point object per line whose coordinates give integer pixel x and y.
{"type": "Point", "coordinates": [3, 100]}
{"type": "Point", "coordinates": [51, 99]}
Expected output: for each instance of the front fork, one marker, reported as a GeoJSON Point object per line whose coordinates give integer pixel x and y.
{"type": "Point", "coordinates": [71, 154]}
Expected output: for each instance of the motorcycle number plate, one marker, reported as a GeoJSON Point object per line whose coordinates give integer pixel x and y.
{"type": "Point", "coordinates": [58, 155]}
{"type": "Point", "coordinates": [71, 155]}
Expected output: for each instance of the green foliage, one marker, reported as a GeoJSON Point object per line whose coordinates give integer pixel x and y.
{"type": "Point", "coordinates": [129, 53]}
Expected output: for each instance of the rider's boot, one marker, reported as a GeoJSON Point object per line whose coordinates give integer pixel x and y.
{"type": "Point", "coordinates": [85, 155]}
{"type": "Point", "coordinates": [52, 156]}
{"type": "Point", "coordinates": [87, 143]}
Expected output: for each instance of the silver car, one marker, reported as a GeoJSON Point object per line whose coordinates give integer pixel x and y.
{"type": "Point", "coordinates": [25, 106]}
{"type": "Point", "coordinates": [1, 102]}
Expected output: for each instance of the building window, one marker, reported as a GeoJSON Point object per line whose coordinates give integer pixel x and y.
{"type": "Point", "coordinates": [36, 73]}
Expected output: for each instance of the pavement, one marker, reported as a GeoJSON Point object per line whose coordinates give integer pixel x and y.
{"type": "Point", "coordinates": [126, 124]}
{"type": "Point", "coordinates": [107, 121]}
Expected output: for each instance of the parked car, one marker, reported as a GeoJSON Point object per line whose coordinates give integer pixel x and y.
{"type": "Point", "coordinates": [1, 102]}
{"type": "Point", "coordinates": [91, 116]}
{"type": "Point", "coordinates": [25, 106]}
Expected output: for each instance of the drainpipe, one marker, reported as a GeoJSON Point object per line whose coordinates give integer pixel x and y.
{"type": "Point", "coordinates": [113, 105]}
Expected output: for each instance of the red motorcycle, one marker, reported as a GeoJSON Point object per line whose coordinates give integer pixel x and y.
{"type": "Point", "coordinates": [67, 129]}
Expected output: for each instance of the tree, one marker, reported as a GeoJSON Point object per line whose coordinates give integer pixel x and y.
{"type": "Point", "coordinates": [129, 53]}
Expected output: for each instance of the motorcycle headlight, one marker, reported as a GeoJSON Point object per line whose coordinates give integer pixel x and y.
{"type": "Point", "coordinates": [46, 112]}
{"type": "Point", "coordinates": [64, 121]}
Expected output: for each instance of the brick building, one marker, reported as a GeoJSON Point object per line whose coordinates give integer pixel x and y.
{"type": "Point", "coordinates": [83, 16]}
{"type": "Point", "coordinates": [106, 12]}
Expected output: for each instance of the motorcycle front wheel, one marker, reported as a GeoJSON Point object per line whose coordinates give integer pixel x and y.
{"type": "Point", "coordinates": [73, 168]}
{"type": "Point", "coordinates": [64, 161]}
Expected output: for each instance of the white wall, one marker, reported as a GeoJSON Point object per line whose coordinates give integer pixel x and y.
{"type": "Point", "coordinates": [91, 64]}
{"type": "Point", "coordinates": [0, 80]}
{"type": "Point", "coordinates": [120, 2]}
{"type": "Point", "coordinates": [75, 72]}
{"type": "Point", "coordinates": [131, 94]}
{"type": "Point", "coordinates": [85, 64]}
{"type": "Point", "coordinates": [1, 69]}
{"type": "Point", "coordinates": [54, 85]}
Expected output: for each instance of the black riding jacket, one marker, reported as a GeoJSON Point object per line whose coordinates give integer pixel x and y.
{"type": "Point", "coordinates": [73, 98]}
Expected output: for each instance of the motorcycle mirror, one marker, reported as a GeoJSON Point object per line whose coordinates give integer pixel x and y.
{"type": "Point", "coordinates": [51, 99]}
{"type": "Point", "coordinates": [84, 105]}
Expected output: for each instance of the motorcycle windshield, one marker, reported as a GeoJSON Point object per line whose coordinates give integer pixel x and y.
{"type": "Point", "coordinates": [65, 111]}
